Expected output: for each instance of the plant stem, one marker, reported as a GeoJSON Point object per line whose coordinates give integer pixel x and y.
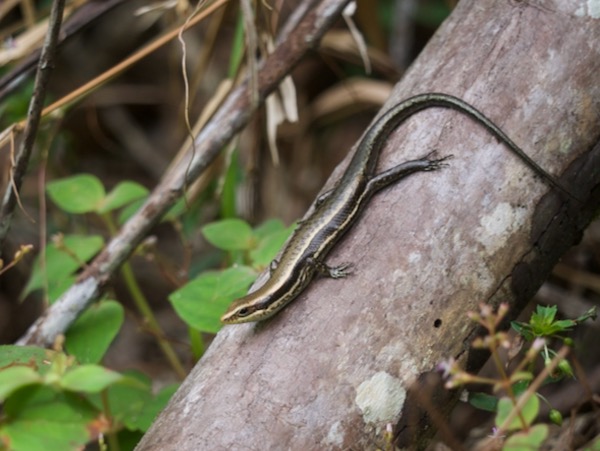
{"type": "Point", "coordinates": [197, 343]}
{"type": "Point", "coordinates": [143, 307]}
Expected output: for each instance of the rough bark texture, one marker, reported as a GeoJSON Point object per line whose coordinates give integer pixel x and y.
{"type": "Point", "coordinates": [334, 368]}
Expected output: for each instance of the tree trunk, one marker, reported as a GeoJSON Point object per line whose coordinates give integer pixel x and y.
{"type": "Point", "coordinates": [333, 369]}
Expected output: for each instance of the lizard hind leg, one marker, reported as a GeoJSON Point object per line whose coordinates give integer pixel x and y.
{"type": "Point", "coordinates": [335, 272]}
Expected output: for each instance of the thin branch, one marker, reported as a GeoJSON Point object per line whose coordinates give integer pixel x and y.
{"type": "Point", "coordinates": [251, 46]}
{"type": "Point", "coordinates": [42, 77]}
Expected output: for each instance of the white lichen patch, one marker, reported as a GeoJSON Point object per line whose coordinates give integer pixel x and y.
{"type": "Point", "coordinates": [335, 436]}
{"type": "Point", "coordinates": [414, 258]}
{"type": "Point", "coordinates": [380, 398]}
{"type": "Point", "coordinates": [495, 226]}
{"type": "Point", "coordinates": [591, 8]}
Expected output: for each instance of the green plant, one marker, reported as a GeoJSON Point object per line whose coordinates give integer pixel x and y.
{"type": "Point", "coordinates": [93, 401]}
{"type": "Point", "coordinates": [63, 399]}
{"type": "Point", "coordinates": [202, 301]}
{"type": "Point", "coordinates": [52, 401]}
{"type": "Point", "coordinates": [515, 400]}
{"type": "Point", "coordinates": [85, 193]}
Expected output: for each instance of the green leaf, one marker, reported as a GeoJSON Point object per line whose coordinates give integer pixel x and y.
{"type": "Point", "coordinates": [152, 408]}
{"type": "Point", "coordinates": [78, 194]}
{"type": "Point", "coordinates": [58, 286]}
{"type": "Point", "coordinates": [177, 210]}
{"type": "Point", "coordinates": [92, 333]}
{"type": "Point", "coordinates": [527, 440]}
{"type": "Point", "coordinates": [42, 401]}
{"type": "Point", "coordinates": [229, 234]}
{"type": "Point", "coordinates": [483, 401]}
{"type": "Point", "coordinates": [529, 412]}
{"type": "Point", "coordinates": [521, 380]}
{"type": "Point", "coordinates": [127, 212]}
{"type": "Point", "coordinates": [126, 400]}
{"type": "Point", "coordinates": [122, 194]}
{"type": "Point", "coordinates": [545, 314]}
{"type": "Point", "coordinates": [269, 227]}
{"type": "Point", "coordinates": [521, 383]}
{"type": "Point", "coordinates": [41, 418]}
{"type": "Point", "coordinates": [202, 301]}
{"type": "Point", "coordinates": [16, 377]}
{"type": "Point", "coordinates": [44, 435]}
{"type": "Point", "coordinates": [269, 246]}
{"type": "Point", "coordinates": [523, 329]}
{"type": "Point", "coordinates": [89, 378]}
{"type": "Point", "coordinates": [32, 356]}
{"type": "Point", "coordinates": [543, 323]}
{"type": "Point", "coordinates": [62, 263]}
{"type": "Point", "coordinates": [564, 325]}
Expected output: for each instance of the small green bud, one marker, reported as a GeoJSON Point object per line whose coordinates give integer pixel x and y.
{"type": "Point", "coordinates": [565, 367]}
{"type": "Point", "coordinates": [555, 416]}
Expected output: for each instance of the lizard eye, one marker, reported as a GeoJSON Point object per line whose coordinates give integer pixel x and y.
{"type": "Point", "coordinates": [245, 311]}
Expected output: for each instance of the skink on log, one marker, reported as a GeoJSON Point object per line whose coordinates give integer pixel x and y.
{"type": "Point", "coordinates": [337, 210]}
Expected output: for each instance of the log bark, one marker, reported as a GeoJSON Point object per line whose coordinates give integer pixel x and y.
{"type": "Point", "coordinates": [333, 369]}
